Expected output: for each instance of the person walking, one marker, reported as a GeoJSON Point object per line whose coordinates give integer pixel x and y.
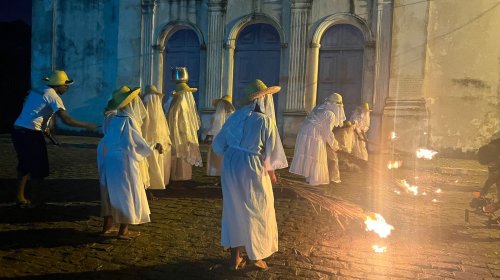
{"type": "Point", "coordinates": [119, 156]}
{"type": "Point", "coordinates": [246, 141]}
{"type": "Point", "coordinates": [223, 109]}
{"type": "Point", "coordinates": [155, 130]}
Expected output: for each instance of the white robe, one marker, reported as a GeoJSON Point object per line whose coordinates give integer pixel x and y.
{"type": "Point", "coordinates": [361, 124]}
{"type": "Point", "coordinates": [310, 157]}
{"type": "Point", "coordinates": [184, 125]}
{"type": "Point", "coordinates": [247, 141]}
{"type": "Point", "coordinates": [155, 130]}
{"type": "Point", "coordinates": [119, 155]}
{"type": "Point", "coordinates": [214, 161]}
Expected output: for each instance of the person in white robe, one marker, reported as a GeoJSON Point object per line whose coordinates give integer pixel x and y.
{"type": "Point", "coordinates": [315, 155]}
{"type": "Point", "coordinates": [278, 158]}
{"type": "Point", "coordinates": [247, 140]}
{"type": "Point", "coordinates": [119, 156]}
{"type": "Point", "coordinates": [184, 123]}
{"type": "Point", "coordinates": [223, 109]}
{"type": "Point", "coordinates": [360, 119]}
{"type": "Point", "coordinates": [155, 130]}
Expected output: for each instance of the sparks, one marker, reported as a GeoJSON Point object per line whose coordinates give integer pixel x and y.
{"type": "Point", "coordinates": [397, 192]}
{"type": "Point", "coordinates": [376, 223]}
{"type": "Point", "coordinates": [394, 164]}
{"type": "Point", "coordinates": [393, 135]}
{"type": "Point", "coordinates": [409, 188]}
{"type": "Point", "coordinates": [435, 200]}
{"type": "Point", "coordinates": [379, 249]}
{"type": "Point", "coordinates": [439, 191]}
{"type": "Point", "coordinates": [424, 193]}
{"type": "Point", "coordinates": [426, 154]}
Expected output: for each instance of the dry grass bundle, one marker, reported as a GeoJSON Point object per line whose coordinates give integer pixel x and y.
{"type": "Point", "coordinates": [338, 208]}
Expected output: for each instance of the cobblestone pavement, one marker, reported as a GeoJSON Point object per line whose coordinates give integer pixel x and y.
{"type": "Point", "coordinates": [431, 240]}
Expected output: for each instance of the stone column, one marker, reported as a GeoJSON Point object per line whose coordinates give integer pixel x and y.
{"type": "Point", "coordinates": [294, 111]}
{"type": "Point", "coordinates": [215, 47]}
{"type": "Point", "coordinates": [405, 111]}
{"type": "Point", "coordinates": [157, 78]}
{"type": "Point", "coordinates": [148, 11]}
{"type": "Point", "coordinates": [312, 77]}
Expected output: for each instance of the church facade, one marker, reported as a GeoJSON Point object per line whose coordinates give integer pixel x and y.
{"type": "Point", "coordinates": [419, 64]}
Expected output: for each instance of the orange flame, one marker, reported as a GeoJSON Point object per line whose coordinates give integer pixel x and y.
{"type": "Point", "coordinates": [376, 223]}
{"type": "Point", "coordinates": [393, 135]}
{"type": "Point", "coordinates": [379, 249]}
{"type": "Point", "coordinates": [394, 164]}
{"type": "Point", "coordinates": [426, 154]}
{"type": "Point", "coordinates": [410, 188]}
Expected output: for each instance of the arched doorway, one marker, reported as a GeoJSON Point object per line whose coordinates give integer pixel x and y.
{"type": "Point", "coordinates": [183, 50]}
{"type": "Point", "coordinates": [341, 65]}
{"type": "Point", "coordinates": [257, 56]}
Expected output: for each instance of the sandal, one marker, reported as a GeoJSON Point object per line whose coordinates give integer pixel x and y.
{"type": "Point", "coordinates": [261, 265]}
{"type": "Point", "coordinates": [129, 236]}
{"type": "Point", "coordinates": [23, 203]}
{"type": "Point", "coordinates": [109, 231]}
{"type": "Point", "coordinates": [240, 265]}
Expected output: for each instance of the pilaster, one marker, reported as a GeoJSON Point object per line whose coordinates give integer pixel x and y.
{"type": "Point", "coordinates": [148, 11]}
{"type": "Point", "coordinates": [215, 38]}
{"type": "Point", "coordinates": [299, 23]}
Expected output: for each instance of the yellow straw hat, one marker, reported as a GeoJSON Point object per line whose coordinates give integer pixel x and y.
{"type": "Point", "coordinates": [227, 98]}
{"type": "Point", "coordinates": [182, 87]}
{"type": "Point", "coordinates": [121, 97]}
{"type": "Point", "coordinates": [256, 90]}
{"type": "Point", "coordinates": [153, 90]}
{"type": "Point", "coordinates": [365, 107]}
{"type": "Point", "coordinates": [58, 78]}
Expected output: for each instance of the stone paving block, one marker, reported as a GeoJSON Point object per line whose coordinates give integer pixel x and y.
{"type": "Point", "coordinates": [438, 272]}
{"type": "Point", "coordinates": [495, 272]}
{"type": "Point", "coordinates": [445, 266]}
{"type": "Point", "coordinates": [361, 267]}
{"type": "Point", "coordinates": [325, 269]}
{"type": "Point", "coordinates": [476, 270]}
{"type": "Point", "coordinates": [352, 273]}
{"type": "Point", "coordinates": [466, 275]}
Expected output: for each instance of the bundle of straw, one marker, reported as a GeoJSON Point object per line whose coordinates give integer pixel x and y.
{"type": "Point", "coordinates": [337, 207]}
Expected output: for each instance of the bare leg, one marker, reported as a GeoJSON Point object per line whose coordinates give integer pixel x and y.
{"type": "Point", "coordinates": [123, 230]}
{"type": "Point", "coordinates": [21, 186]}
{"type": "Point", "coordinates": [107, 223]}
{"type": "Point", "coordinates": [237, 260]}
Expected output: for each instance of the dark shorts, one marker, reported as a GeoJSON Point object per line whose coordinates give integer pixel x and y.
{"type": "Point", "coordinates": [31, 152]}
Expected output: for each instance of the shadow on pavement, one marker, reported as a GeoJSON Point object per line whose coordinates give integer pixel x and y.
{"type": "Point", "coordinates": [48, 213]}
{"type": "Point", "coordinates": [55, 190]}
{"type": "Point", "coordinates": [46, 238]}
{"type": "Point", "coordinates": [202, 269]}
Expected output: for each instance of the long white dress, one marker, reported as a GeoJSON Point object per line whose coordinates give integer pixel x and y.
{"type": "Point", "coordinates": [119, 156]}
{"type": "Point", "coordinates": [214, 162]}
{"type": "Point", "coordinates": [361, 124]}
{"type": "Point", "coordinates": [310, 157]}
{"type": "Point", "coordinates": [246, 142]}
{"type": "Point", "coordinates": [155, 130]}
{"type": "Point", "coordinates": [184, 124]}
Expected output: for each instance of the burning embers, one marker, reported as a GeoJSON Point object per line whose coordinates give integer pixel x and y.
{"type": "Point", "coordinates": [394, 164]}
{"type": "Point", "coordinates": [376, 223]}
{"type": "Point", "coordinates": [425, 154]}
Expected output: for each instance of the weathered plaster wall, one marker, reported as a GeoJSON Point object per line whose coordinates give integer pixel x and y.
{"type": "Point", "coordinates": [462, 75]}
{"type": "Point", "coordinates": [81, 44]}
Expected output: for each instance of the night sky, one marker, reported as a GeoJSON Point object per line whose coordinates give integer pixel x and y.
{"type": "Point", "coordinates": [16, 10]}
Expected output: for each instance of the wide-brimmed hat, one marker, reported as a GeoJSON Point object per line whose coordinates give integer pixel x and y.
{"type": "Point", "coordinates": [182, 87]}
{"type": "Point", "coordinates": [256, 90]}
{"type": "Point", "coordinates": [227, 98]}
{"type": "Point", "coordinates": [365, 106]}
{"type": "Point", "coordinates": [58, 78]}
{"type": "Point", "coordinates": [121, 97]}
{"type": "Point", "coordinates": [346, 124]}
{"type": "Point", "coordinates": [334, 98]}
{"type": "Point", "coordinates": [152, 89]}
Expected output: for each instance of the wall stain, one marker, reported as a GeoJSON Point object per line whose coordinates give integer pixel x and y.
{"type": "Point", "coordinates": [470, 82]}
